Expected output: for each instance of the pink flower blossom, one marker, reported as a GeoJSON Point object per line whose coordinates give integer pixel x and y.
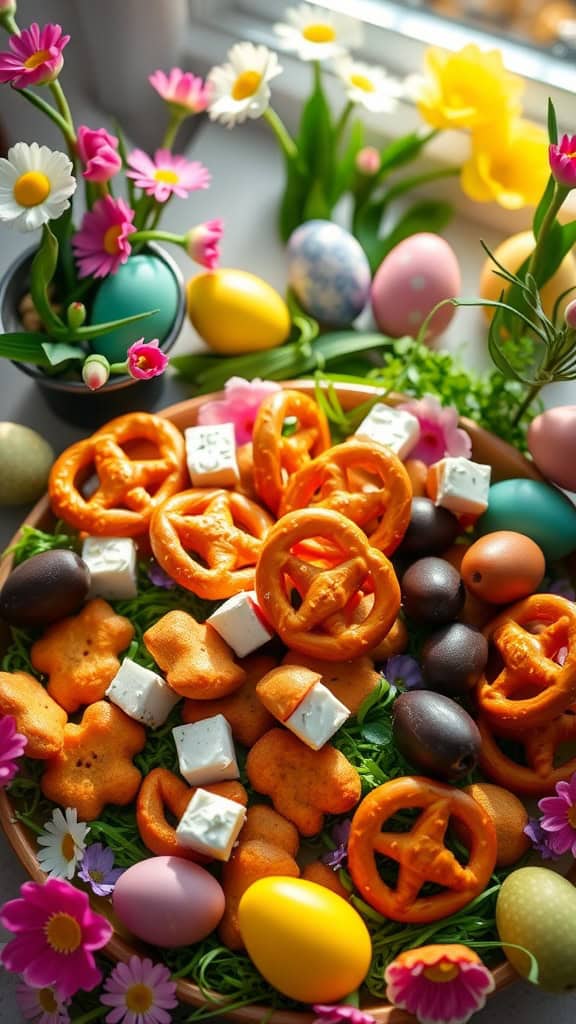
{"type": "Point", "coordinates": [12, 746]}
{"type": "Point", "coordinates": [97, 150]}
{"type": "Point", "coordinates": [560, 818]}
{"type": "Point", "coordinates": [182, 90]}
{"type": "Point", "coordinates": [140, 992]}
{"type": "Point", "coordinates": [95, 371]}
{"type": "Point", "coordinates": [368, 160]}
{"type": "Point", "coordinates": [167, 174]}
{"type": "Point", "coordinates": [146, 359]}
{"type": "Point", "coordinates": [440, 434]}
{"type": "Point", "coordinates": [202, 243]}
{"type": "Point", "coordinates": [56, 935]}
{"type": "Point", "coordinates": [342, 1014]}
{"type": "Point", "coordinates": [42, 1005]}
{"type": "Point", "coordinates": [36, 57]}
{"type": "Point", "coordinates": [240, 405]}
{"type": "Point", "coordinates": [562, 158]}
{"type": "Point", "coordinates": [442, 984]}
{"type": "Point", "coordinates": [102, 245]}
{"type": "Point", "coordinates": [570, 314]}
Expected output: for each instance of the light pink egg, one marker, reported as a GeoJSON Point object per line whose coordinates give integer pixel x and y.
{"type": "Point", "coordinates": [552, 445]}
{"type": "Point", "coordinates": [417, 274]}
{"type": "Point", "coordinates": [168, 901]}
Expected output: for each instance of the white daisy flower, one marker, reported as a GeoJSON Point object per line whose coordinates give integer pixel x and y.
{"type": "Point", "coordinates": [64, 843]}
{"type": "Point", "coordinates": [317, 34]}
{"type": "Point", "coordinates": [239, 89]}
{"type": "Point", "coordinates": [367, 86]}
{"type": "Point", "coordinates": [35, 185]}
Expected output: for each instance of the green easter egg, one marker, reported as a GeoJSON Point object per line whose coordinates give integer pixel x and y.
{"type": "Point", "coordinates": [25, 461]}
{"type": "Point", "coordinates": [143, 283]}
{"type": "Point", "coordinates": [534, 509]}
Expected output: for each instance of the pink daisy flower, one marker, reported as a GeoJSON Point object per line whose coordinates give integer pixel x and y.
{"type": "Point", "coordinates": [97, 150]}
{"type": "Point", "coordinates": [440, 434]}
{"type": "Point", "coordinates": [166, 174]}
{"type": "Point", "coordinates": [102, 245]}
{"type": "Point", "coordinates": [146, 359]}
{"type": "Point", "coordinates": [56, 934]}
{"type": "Point", "coordinates": [240, 405]}
{"type": "Point", "coordinates": [439, 984]}
{"type": "Point", "coordinates": [140, 992]}
{"type": "Point", "coordinates": [202, 243]}
{"type": "Point", "coordinates": [12, 746]}
{"type": "Point", "coordinates": [42, 1005]}
{"type": "Point", "coordinates": [36, 57]}
{"type": "Point", "coordinates": [560, 818]}
{"type": "Point", "coordinates": [341, 1015]}
{"type": "Point", "coordinates": [182, 90]}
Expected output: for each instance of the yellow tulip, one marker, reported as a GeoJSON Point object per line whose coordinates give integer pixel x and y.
{"type": "Point", "coordinates": [509, 167]}
{"type": "Point", "coordinates": [467, 89]}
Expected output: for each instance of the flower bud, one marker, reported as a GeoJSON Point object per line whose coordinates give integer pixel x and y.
{"type": "Point", "coordinates": [76, 315]}
{"type": "Point", "coordinates": [7, 7]}
{"type": "Point", "coordinates": [202, 243]}
{"type": "Point", "coordinates": [562, 159]}
{"type": "Point", "coordinates": [368, 160]}
{"type": "Point", "coordinates": [570, 314]}
{"type": "Point", "coordinates": [95, 371]}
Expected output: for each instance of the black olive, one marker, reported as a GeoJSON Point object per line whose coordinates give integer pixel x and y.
{"type": "Point", "coordinates": [432, 591]}
{"type": "Point", "coordinates": [431, 530]}
{"type": "Point", "coordinates": [453, 658]}
{"type": "Point", "coordinates": [45, 588]}
{"type": "Point", "coordinates": [435, 734]}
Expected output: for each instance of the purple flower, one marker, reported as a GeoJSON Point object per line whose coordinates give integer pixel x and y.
{"type": "Point", "coordinates": [560, 817]}
{"type": "Point", "coordinates": [539, 839]}
{"type": "Point", "coordinates": [159, 578]}
{"type": "Point", "coordinates": [340, 835]}
{"type": "Point", "coordinates": [562, 587]}
{"type": "Point", "coordinates": [342, 1014]}
{"type": "Point", "coordinates": [404, 671]}
{"type": "Point", "coordinates": [97, 869]}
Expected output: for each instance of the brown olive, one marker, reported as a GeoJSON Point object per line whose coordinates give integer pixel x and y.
{"type": "Point", "coordinates": [45, 588]}
{"type": "Point", "coordinates": [453, 658]}
{"type": "Point", "coordinates": [435, 734]}
{"type": "Point", "coordinates": [430, 530]}
{"type": "Point", "coordinates": [432, 591]}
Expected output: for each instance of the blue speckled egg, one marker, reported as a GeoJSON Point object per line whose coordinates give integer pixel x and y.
{"type": "Point", "coordinates": [328, 272]}
{"type": "Point", "coordinates": [143, 283]}
{"type": "Point", "coordinates": [534, 509]}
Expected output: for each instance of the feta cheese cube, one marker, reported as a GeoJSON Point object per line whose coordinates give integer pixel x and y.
{"type": "Point", "coordinates": [395, 428]}
{"type": "Point", "coordinates": [210, 824]}
{"type": "Point", "coordinates": [206, 751]}
{"type": "Point", "coordinates": [142, 694]}
{"type": "Point", "coordinates": [112, 565]}
{"type": "Point", "coordinates": [211, 455]}
{"type": "Point", "coordinates": [462, 486]}
{"type": "Point", "coordinates": [318, 716]}
{"type": "Point", "coordinates": [240, 623]}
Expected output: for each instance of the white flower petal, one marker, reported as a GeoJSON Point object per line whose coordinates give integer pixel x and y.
{"type": "Point", "coordinates": [56, 166]}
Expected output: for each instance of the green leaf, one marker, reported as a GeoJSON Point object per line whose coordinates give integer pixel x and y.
{"type": "Point", "coordinates": [377, 732]}
{"type": "Point", "coordinates": [291, 212]}
{"type": "Point", "coordinates": [95, 330]}
{"type": "Point", "coordinates": [59, 352]}
{"type": "Point", "coordinates": [63, 229]}
{"type": "Point", "coordinates": [541, 209]}
{"type": "Point", "coordinates": [25, 347]}
{"type": "Point", "coordinates": [41, 274]}
{"type": "Point", "coordinates": [403, 151]}
{"type": "Point", "coordinates": [366, 228]}
{"type": "Point", "coordinates": [426, 215]}
{"type": "Point", "coordinates": [315, 138]}
{"type": "Point", "coordinates": [345, 169]}
{"type": "Point", "coordinates": [552, 123]}
{"type": "Point", "coordinates": [317, 206]}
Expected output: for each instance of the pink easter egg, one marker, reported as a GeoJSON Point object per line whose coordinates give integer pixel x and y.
{"type": "Point", "coordinates": [417, 274]}
{"type": "Point", "coordinates": [552, 445]}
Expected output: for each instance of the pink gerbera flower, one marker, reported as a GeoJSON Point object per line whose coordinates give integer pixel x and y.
{"type": "Point", "coordinates": [12, 746]}
{"type": "Point", "coordinates": [560, 818]}
{"type": "Point", "coordinates": [42, 1005]}
{"type": "Point", "coordinates": [562, 158]}
{"type": "Point", "coordinates": [440, 434]}
{"type": "Point", "coordinates": [97, 150]}
{"type": "Point", "coordinates": [146, 359]}
{"type": "Point", "coordinates": [182, 90]}
{"type": "Point", "coordinates": [443, 984]}
{"type": "Point", "coordinates": [202, 243]}
{"type": "Point", "coordinates": [240, 405]}
{"type": "Point", "coordinates": [56, 935]}
{"type": "Point", "coordinates": [36, 57]}
{"type": "Point", "coordinates": [140, 992]}
{"type": "Point", "coordinates": [342, 1014]}
{"type": "Point", "coordinates": [166, 174]}
{"type": "Point", "coordinates": [102, 245]}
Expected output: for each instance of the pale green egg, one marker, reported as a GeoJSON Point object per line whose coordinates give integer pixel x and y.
{"type": "Point", "coordinates": [535, 509]}
{"type": "Point", "coordinates": [25, 460]}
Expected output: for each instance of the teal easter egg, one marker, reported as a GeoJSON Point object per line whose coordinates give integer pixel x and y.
{"type": "Point", "coordinates": [141, 284]}
{"type": "Point", "coordinates": [534, 509]}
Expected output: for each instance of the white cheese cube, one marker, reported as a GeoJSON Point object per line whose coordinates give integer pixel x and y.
{"type": "Point", "coordinates": [211, 455]}
{"type": "Point", "coordinates": [462, 485]}
{"type": "Point", "coordinates": [142, 694]}
{"type": "Point", "coordinates": [240, 623]}
{"type": "Point", "coordinates": [112, 565]}
{"type": "Point", "coordinates": [210, 824]}
{"type": "Point", "coordinates": [395, 428]}
{"type": "Point", "coordinates": [317, 717]}
{"type": "Point", "coordinates": [206, 751]}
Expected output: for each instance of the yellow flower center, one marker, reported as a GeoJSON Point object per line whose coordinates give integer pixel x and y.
{"type": "Point", "coordinates": [246, 85]}
{"type": "Point", "coordinates": [111, 237]}
{"type": "Point", "coordinates": [139, 998]}
{"type": "Point", "coordinates": [63, 933]}
{"type": "Point", "coordinates": [96, 876]}
{"type": "Point", "coordinates": [31, 188]}
{"type": "Point", "coordinates": [319, 33]}
{"type": "Point", "coordinates": [142, 363]}
{"type": "Point", "coordinates": [68, 847]}
{"type": "Point", "coordinates": [47, 1001]}
{"type": "Point", "coordinates": [572, 816]}
{"type": "Point", "coordinates": [442, 972]}
{"type": "Point", "coordinates": [163, 174]}
{"type": "Point", "coordinates": [36, 58]}
{"type": "Point", "coordinates": [361, 82]}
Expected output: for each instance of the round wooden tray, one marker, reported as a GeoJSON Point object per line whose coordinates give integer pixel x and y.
{"type": "Point", "coordinates": [506, 463]}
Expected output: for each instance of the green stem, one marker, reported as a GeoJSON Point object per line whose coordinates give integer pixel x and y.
{"type": "Point", "coordinates": [342, 122]}
{"type": "Point", "coordinates": [157, 236]}
{"type": "Point", "coordinates": [63, 125]}
{"type": "Point", "coordinates": [558, 197]}
{"type": "Point", "coordinates": [62, 104]}
{"type": "Point", "coordinates": [317, 71]}
{"type": "Point", "coordinates": [287, 144]}
{"type": "Point", "coordinates": [96, 1014]}
{"type": "Point", "coordinates": [9, 24]}
{"type": "Point", "coordinates": [527, 402]}
{"type": "Point", "coordinates": [172, 130]}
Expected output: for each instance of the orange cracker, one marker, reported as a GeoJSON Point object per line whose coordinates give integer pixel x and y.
{"type": "Point", "coordinates": [195, 659]}
{"type": "Point", "coordinates": [246, 715]}
{"type": "Point", "coordinates": [350, 681]}
{"type": "Point", "coordinates": [94, 767]}
{"type": "Point", "coordinates": [320, 873]}
{"type": "Point", "coordinates": [78, 654]}
{"type": "Point", "coordinates": [284, 688]}
{"type": "Point", "coordinates": [39, 718]}
{"type": "Point", "coordinates": [303, 784]}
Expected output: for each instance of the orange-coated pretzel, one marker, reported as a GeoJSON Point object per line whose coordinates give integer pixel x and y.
{"type": "Point", "coordinates": [541, 745]}
{"type": "Point", "coordinates": [421, 853]}
{"type": "Point", "coordinates": [323, 626]}
{"type": "Point", "coordinates": [533, 679]}
{"type": "Point", "coordinates": [331, 481]}
{"type": "Point", "coordinates": [222, 528]}
{"type": "Point", "coordinates": [276, 457]}
{"type": "Point", "coordinates": [129, 486]}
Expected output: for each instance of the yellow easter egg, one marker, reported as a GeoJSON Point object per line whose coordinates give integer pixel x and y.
{"type": "Point", "coordinates": [511, 254]}
{"type": "Point", "coordinates": [307, 941]}
{"type": "Point", "coordinates": [235, 312]}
